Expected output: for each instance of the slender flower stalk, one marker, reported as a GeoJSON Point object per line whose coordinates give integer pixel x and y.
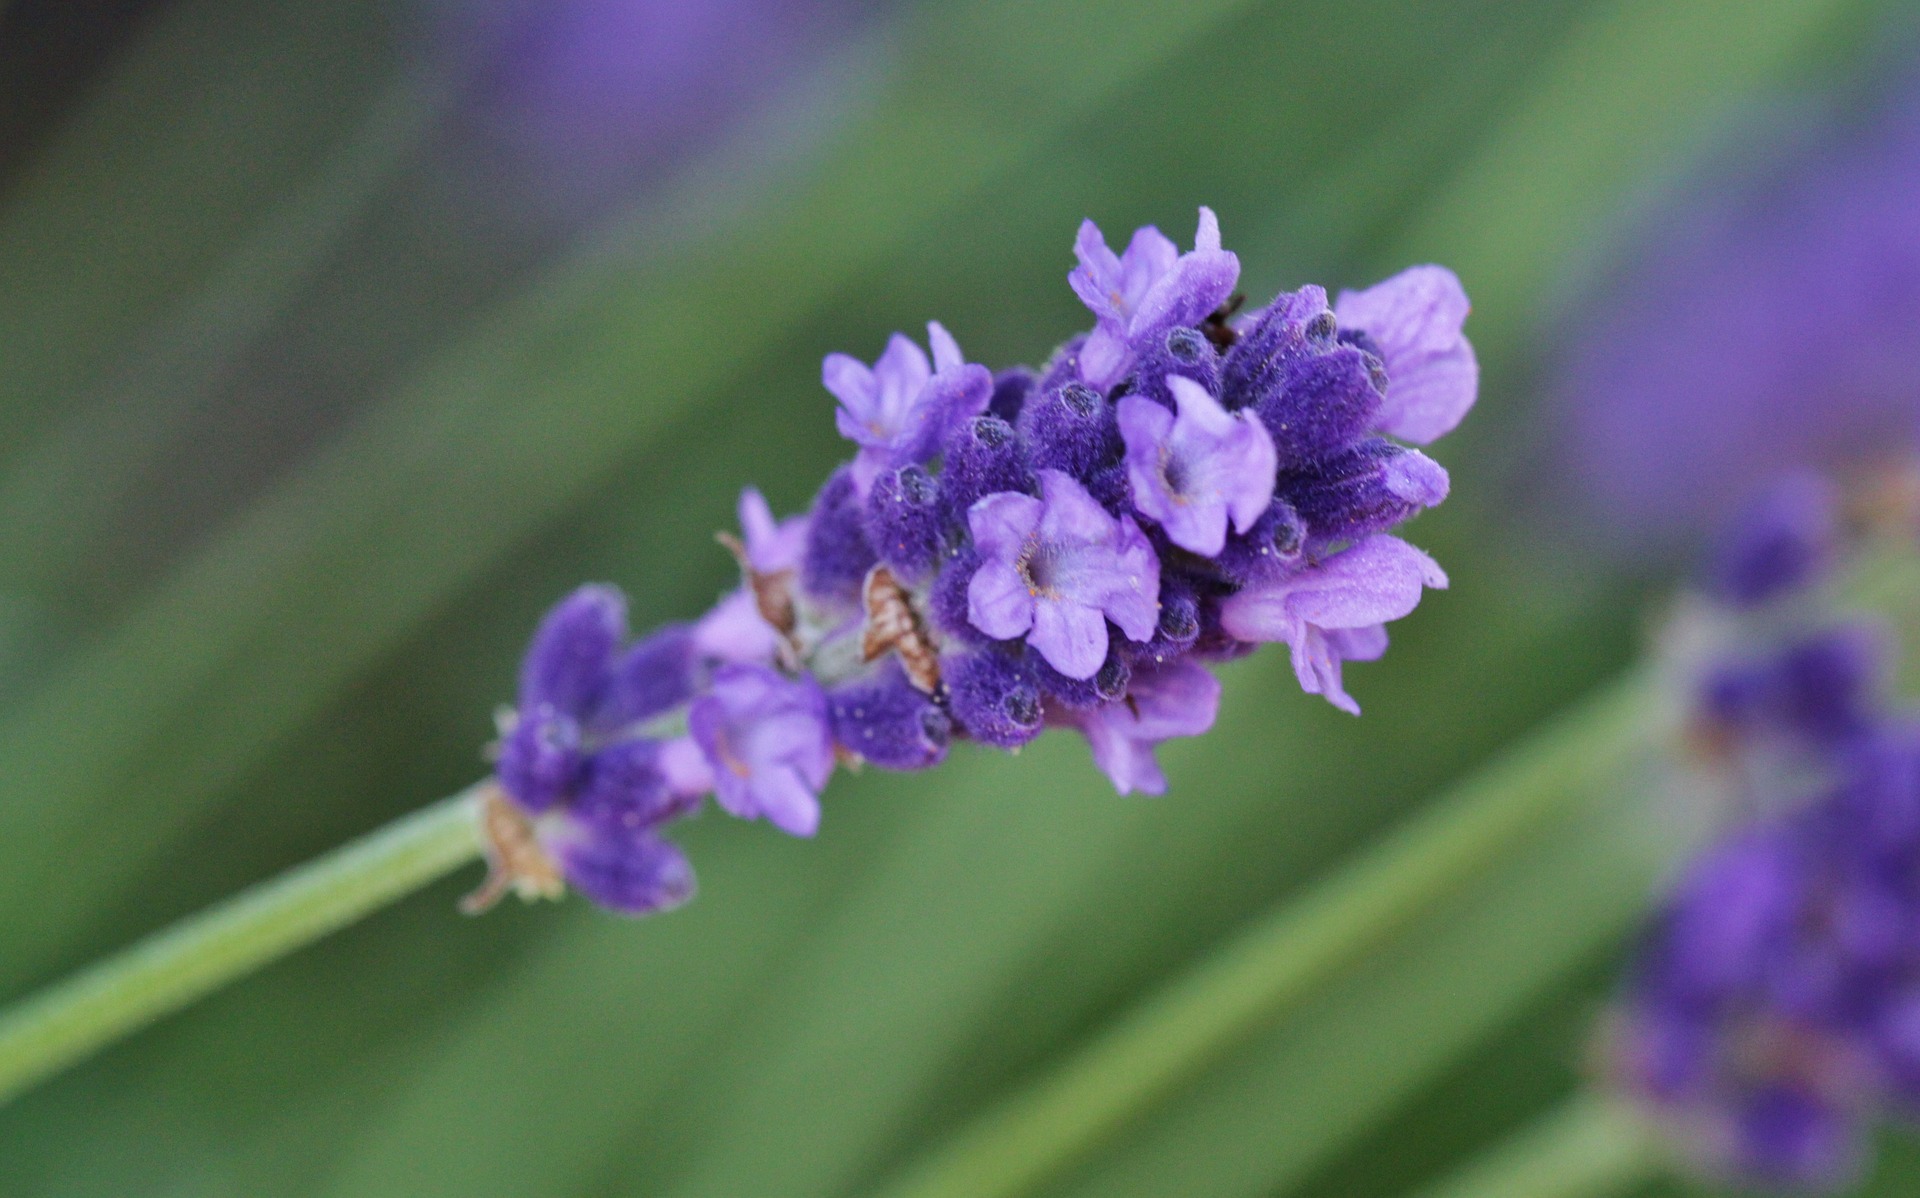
{"type": "Point", "coordinates": [73, 1019]}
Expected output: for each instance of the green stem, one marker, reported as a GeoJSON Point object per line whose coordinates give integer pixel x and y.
{"type": "Point", "coordinates": [72, 1019]}
{"type": "Point", "coordinates": [1591, 1147]}
{"type": "Point", "coordinates": [1179, 1031]}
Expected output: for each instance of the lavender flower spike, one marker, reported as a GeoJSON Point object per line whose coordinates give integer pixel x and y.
{"type": "Point", "coordinates": [1193, 471]}
{"type": "Point", "coordinates": [766, 738]}
{"type": "Point", "coordinates": [898, 410]}
{"type": "Point", "coordinates": [1333, 612]}
{"type": "Point", "coordinates": [1144, 292]}
{"type": "Point", "coordinates": [1178, 699]}
{"type": "Point", "coordinates": [1143, 504]}
{"type": "Point", "coordinates": [1415, 318]}
{"type": "Point", "coordinates": [1055, 569]}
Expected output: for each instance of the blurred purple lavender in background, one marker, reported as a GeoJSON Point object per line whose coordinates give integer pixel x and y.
{"type": "Point", "coordinates": [1008, 553]}
{"type": "Point", "coordinates": [1771, 322]}
{"type": "Point", "coordinates": [1773, 1014]}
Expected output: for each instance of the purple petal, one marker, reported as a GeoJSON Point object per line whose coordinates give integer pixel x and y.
{"type": "Point", "coordinates": [571, 657]}
{"type": "Point", "coordinates": [1071, 637]}
{"type": "Point", "coordinates": [1180, 699]}
{"type": "Point", "coordinates": [999, 602]}
{"type": "Point", "coordinates": [1132, 599]}
{"type": "Point", "coordinates": [946, 351]}
{"type": "Point", "coordinates": [735, 631]}
{"type": "Point", "coordinates": [1002, 522]}
{"type": "Point", "coordinates": [1379, 579]}
{"type": "Point", "coordinates": [1415, 318]}
{"type": "Point", "coordinates": [771, 546]}
{"type": "Point", "coordinates": [626, 869]}
{"type": "Point", "coordinates": [767, 742]}
{"type": "Point", "coordinates": [1414, 477]}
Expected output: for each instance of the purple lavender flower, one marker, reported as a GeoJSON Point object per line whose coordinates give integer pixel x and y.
{"type": "Point", "coordinates": [900, 409]}
{"type": "Point", "coordinates": [1056, 569]}
{"type": "Point", "coordinates": [1193, 471]}
{"type": "Point", "coordinates": [981, 569]}
{"type": "Point", "coordinates": [593, 788]}
{"type": "Point", "coordinates": [1180, 699]}
{"type": "Point", "coordinates": [1137, 296]}
{"type": "Point", "coordinates": [1415, 320]}
{"type": "Point", "coordinates": [1335, 611]}
{"type": "Point", "coordinates": [766, 740]}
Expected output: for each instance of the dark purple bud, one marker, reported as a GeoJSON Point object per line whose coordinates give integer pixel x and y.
{"type": "Point", "coordinates": [886, 720]}
{"type": "Point", "coordinates": [948, 600]}
{"type": "Point", "coordinates": [994, 696]}
{"type": "Point", "coordinates": [1365, 489]}
{"type": "Point", "coordinates": [905, 521]}
{"type": "Point", "coordinates": [983, 456]}
{"type": "Point", "coordinates": [569, 661]}
{"type": "Point", "coordinates": [1376, 358]}
{"type": "Point", "coordinates": [1071, 429]}
{"type": "Point", "coordinates": [1062, 368]}
{"type": "Point", "coordinates": [1108, 684]}
{"type": "Point", "coordinates": [1323, 403]}
{"type": "Point", "coordinates": [1177, 628]}
{"type": "Point", "coordinates": [1274, 546]}
{"type": "Point", "coordinates": [838, 555]}
{"type": "Point", "coordinates": [1183, 351]}
{"type": "Point", "coordinates": [1783, 542]}
{"type": "Point", "coordinates": [1296, 326]}
{"type": "Point", "coordinates": [653, 677]}
{"type": "Point", "coordinates": [540, 761]}
{"type": "Point", "coordinates": [1010, 391]}
{"type": "Point", "coordinates": [1214, 643]}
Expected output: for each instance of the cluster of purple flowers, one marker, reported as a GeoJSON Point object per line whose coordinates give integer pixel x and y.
{"type": "Point", "coordinates": [1012, 551]}
{"type": "Point", "coordinates": [1774, 1011]}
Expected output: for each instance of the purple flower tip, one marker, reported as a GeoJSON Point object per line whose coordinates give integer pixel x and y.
{"type": "Point", "coordinates": [900, 409]}
{"type": "Point", "coordinates": [767, 742]}
{"type": "Point", "coordinates": [1140, 294]}
{"type": "Point", "coordinates": [1179, 699]}
{"type": "Point", "coordinates": [1415, 318]}
{"type": "Point", "coordinates": [1194, 471]}
{"type": "Point", "coordinates": [1334, 611]}
{"type": "Point", "coordinates": [1055, 569]}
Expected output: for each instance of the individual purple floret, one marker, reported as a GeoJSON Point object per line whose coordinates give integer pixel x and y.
{"type": "Point", "coordinates": [898, 410]}
{"type": "Point", "coordinates": [1335, 611]}
{"type": "Point", "coordinates": [766, 740]}
{"type": "Point", "coordinates": [1180, 699]}
{"type": "Point", "coordinates": [1137, 296]}
{"type": "Point", "coordinates": [1193, 471]}
{"type": "Point", "coordinates": [1063, 547]}
{"type": "Point", "coordinates": [591, 787]}
{"type": "Point", "coordinates": [1055, 569]}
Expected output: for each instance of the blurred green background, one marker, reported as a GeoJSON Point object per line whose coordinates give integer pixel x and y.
{"type": "Point", "coordinates": [337, 341]}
